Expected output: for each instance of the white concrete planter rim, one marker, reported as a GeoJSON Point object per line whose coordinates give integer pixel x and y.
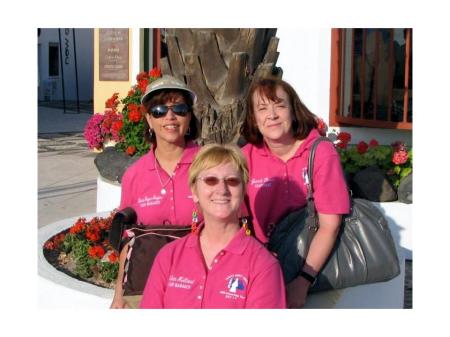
{"type": "Point", "coordinates": [47, 271]}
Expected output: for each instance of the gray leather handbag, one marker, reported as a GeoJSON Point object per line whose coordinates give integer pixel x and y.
{"type": "Point", "coordinates": [364, 251]}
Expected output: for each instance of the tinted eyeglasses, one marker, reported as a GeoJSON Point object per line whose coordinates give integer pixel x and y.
{"type": "Point", "coordinates": [213, 180]}
{"type": "Point", "coordinates": [161, 110]}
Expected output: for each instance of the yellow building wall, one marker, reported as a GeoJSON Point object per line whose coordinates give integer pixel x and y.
{"type": "Point", "coordinates": [105, 89]}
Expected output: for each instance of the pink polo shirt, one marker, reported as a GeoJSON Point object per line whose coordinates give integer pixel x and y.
{"type": "Point", "coordinates": [276, 188]}
{"type": "Point", "coordinates": [243, 275]}
{"type": "Point", "coordinates": [141, 190]}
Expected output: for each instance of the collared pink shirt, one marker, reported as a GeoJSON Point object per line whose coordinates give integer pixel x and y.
{"type": "Point", "coordinates": [141, 190]}
{"type": "Point", "coordinates": [276, 188]}
{"type": "Point", "coordinates": [243, 275]}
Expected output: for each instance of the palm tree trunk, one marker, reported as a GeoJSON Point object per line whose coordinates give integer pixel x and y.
{"type": "Point", "coordinates": [220, 65]}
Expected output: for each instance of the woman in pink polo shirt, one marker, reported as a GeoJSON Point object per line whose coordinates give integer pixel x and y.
{"type": "Point", "coordinates": [280, 131]}
{"type": "Point", "coordinates": [156, 186]}
{"type": "Point", "coordinates": [219, 265]}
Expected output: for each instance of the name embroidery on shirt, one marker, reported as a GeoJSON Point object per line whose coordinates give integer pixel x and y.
{"type": "Point", "coordinates": [261, 182]}
{"type": "Point", "coordinates": [236, 287]}
{"type": "Point", "coordinates": [149, 201]}
{"type": "Point", "coordinates": [180, 282]}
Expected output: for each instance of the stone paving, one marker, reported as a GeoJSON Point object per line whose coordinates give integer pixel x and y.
{"type": "Point", "coordinates": [67, 177]}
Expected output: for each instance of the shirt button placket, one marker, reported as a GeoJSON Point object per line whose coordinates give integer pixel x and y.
{"type": "Point", "coordinates": [201, 292]}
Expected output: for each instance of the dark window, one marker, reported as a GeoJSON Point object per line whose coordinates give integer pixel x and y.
{"type": "Point", "coordinates": [371, 82]}
{"type": "Point", "coordinates": [53, 60]}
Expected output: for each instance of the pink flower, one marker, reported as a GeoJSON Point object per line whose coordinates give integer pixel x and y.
{"type": "Point", "coordinates": [399, 157]}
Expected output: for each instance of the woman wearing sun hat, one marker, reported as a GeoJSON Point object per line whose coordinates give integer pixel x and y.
{"type": "Point", "coordinates": [156, 186]}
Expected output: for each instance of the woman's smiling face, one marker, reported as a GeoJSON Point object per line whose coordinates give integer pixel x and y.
{"type": "Point", "coordinates": [273, 118]}
{"type": "Point", "coordinates": [219, 198]}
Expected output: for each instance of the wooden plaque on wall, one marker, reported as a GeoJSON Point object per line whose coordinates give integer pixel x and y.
{"type": "Point", "coordinates": [113, 54]}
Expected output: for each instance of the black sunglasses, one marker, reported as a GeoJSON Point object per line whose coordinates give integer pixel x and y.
{"type": "Point", "coordinates": [161, 110]}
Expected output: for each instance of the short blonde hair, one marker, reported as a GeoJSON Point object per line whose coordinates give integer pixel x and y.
{"type": "Point", "coordinates": [212, 155]}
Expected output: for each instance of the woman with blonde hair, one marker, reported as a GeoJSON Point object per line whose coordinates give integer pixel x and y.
{"type": "Point", "coordinates": [218, 265]}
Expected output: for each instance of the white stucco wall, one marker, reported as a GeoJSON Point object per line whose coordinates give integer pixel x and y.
{"type": "Point", "coordinates": [305, 57]}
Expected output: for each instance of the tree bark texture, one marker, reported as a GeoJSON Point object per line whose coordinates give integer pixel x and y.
{"type": "Point", "coordinates": [220, 65]}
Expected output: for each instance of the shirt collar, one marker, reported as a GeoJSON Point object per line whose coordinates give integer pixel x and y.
{"type": "Point", "coordinates": [263, 150]}
{"type": "Point", "coordinates": [237, 245]}
{"type": "Point", "coordinates": [188, 155]}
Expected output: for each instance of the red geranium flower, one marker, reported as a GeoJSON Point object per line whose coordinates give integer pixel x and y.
{"type": "Point", "coordinates": [373, 143]}
{"type": "Point", "coordinates": [362, 147]}
{"type": "Point", "coordinates": [131, 150]}
{"type": "Point", "coordinates": [112, 102]}
{"type": "Point", "coordinates": [322, 127]}
{"type": "Point", "coordinates": [344, 137]}
{"type": "Point", "coordinates": [96, 251]}
{"type": "Point", "coordinates": [117, 126]}
{"type": "Point", "coordinates": [142, 85]}
{"type": "Point", "coordinates": [78, 227]}
{"type": "Point", "coordinates": [93, 233]}
{"type": "Point", "coordinates": [113, 257]}
{"type": "Point", "coordinates": [341, 145]}
{"type": "Point", "coordinates": [134, 113]}
{"type": "Point", "coordinates": [155, 72]}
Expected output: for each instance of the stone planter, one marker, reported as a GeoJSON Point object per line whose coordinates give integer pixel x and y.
{"type": "Point", "coordinates": [58, 290]}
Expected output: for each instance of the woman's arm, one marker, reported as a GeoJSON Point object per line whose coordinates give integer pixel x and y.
{"type": "Point", "coordinates": [118, 301]}
{"type": "Point", "coordinates": [319, 250]}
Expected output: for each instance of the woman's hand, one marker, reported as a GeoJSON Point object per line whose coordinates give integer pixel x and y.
{"type": "Point", "coordinates": [119, 303]}
{"type": "Point", "coordinates": [296, 292]}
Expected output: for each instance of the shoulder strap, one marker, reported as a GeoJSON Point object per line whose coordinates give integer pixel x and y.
{"type": "Point", "coordinates": [312, 155]}
{"type": "Point", "coordinates": [311, 219]}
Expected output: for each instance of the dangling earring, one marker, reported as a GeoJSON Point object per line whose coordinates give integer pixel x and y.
{"type": "Point", "coordinates": [188, 132]}
{"type": "Point", "coordinates": [150, 133]}
{"type": "Point", "coordinates": [194, 224]}
{"type": "Point", "coordinates": [248, 232]}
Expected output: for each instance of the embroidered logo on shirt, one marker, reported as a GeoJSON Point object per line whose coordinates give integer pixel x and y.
{"type": "Point", "coordinates": [150, 201]}
{"type": "Point", "coordinates": [236, 285]}
{"type": "Point", "coordinates": [180, 282]}
{"type": "Point", "coordinates": [261, 182]}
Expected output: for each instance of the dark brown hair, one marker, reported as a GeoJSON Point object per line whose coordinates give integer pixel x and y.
{"type": "Point", "coordinates": [163, 97]}
{"type": "Point", "coordinates": [304, 120]}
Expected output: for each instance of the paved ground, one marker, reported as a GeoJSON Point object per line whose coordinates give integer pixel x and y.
{"type": "Point", "coordinates": [66, 171]}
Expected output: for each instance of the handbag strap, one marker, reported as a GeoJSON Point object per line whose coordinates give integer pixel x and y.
{"type": "Point", "coordinates": [311, 219]}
